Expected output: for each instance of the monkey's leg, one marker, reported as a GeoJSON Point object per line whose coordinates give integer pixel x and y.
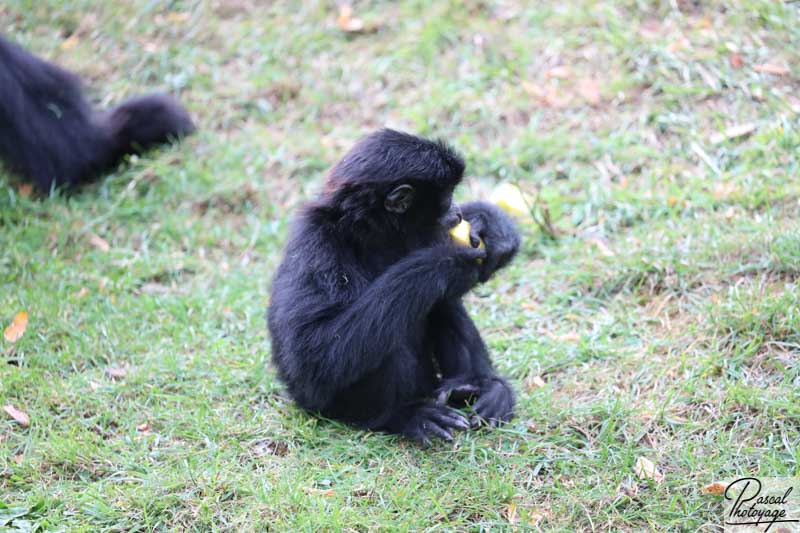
{"type": "Point", "coordinates": [465, 366]}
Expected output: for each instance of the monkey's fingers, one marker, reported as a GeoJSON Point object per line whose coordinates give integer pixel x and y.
{"type": "Point", "coordinates": [450, 418]}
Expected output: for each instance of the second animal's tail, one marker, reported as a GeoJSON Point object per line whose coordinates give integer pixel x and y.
{"type": "Point", "coordinates": [50, 135]}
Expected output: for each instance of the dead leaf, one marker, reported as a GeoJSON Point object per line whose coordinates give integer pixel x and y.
{"type": "Point", "coordinates": [571, 336]}
{"type": "Point", "coordinates": [143, 427]}
{"type": "Point", "coordinates": [347, 22]}
{"type": "Point", "coordinates": [99, 242]}
{"type": "Point", "coordinates": [559, 72]}
{"type": "Point", "coordinates": [19, 458]}
{"type": "Point", "coordinates": [589, 89]}
{"type": "Point", "coordinates": [733, 132]}
{"type": "Point", "coordinates": [602, 247]}
{"type": "Point", "coordinates": [533, 89]}
{"type": "Point", "coordinates": [16, 329]}
{"type": "Point", "coordinates": [20, 417]}
{"type": "Point", "coordinates": [736, 60]}
{"type": "Point", "coordinates": [270, 447]}
{"type": "Point", "coordinates": [70, 42]}
{"type": "Point", "coordinates": [646, 469]}
{"type": "Point", "coordinates": [25, 190]}
{"type": "Point", "coordinates": [317, 492]}
{"type": "Point", "coordinates": [535, 517]}
{"type": "Point", "coordinates": [154, 288]}
{"type": "Point", "coordinates": [361, 492]}
{"type": "Point", "coordinates": [510, 513]}
{"type": "Point", "coordinates": [715, 489]}
{"type": "Point", "coordinates": [771, 68]}
{"type": "Point", "coordinates": [536, 382]}
{"type": "Point", "coordinates": [176, 17]}
{"type": "Point", "coordinates": [116, 373]}
{"type": "Point", "coordinates": [628, 490]}
{"type": "Point", "coordinates": [724, 190]}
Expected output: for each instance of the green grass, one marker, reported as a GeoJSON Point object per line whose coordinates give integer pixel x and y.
{"type": "Point", "coordinates": [664, 319]}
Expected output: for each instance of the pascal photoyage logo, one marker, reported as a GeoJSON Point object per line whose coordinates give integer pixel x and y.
{"type": "Point", "coordinates": [762, 504]}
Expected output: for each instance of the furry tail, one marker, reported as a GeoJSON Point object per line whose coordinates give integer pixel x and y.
{"type": "Point", "coordinates": [146, 121]}
{"type": "Point", "coordinates": [50, 134]}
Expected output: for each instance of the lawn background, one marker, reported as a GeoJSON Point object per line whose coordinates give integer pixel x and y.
{"type": "Point", "coordinates": [660, 321]}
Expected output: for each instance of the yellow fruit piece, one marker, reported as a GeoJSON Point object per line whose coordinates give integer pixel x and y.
{"type": "Point", "coordinates": [460, 233]}
{"type": "Point", "coordinates": [508, 197]}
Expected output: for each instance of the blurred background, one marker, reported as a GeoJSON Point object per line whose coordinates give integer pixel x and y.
{"type": "Point", "coordinates": [652, 315]}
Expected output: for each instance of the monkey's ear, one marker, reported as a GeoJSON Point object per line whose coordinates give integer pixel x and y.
{"type": "Point", "coordinates": [400, 199]}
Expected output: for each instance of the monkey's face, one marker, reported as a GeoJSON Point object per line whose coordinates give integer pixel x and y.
{"type": "Point", "coordinates": [420, 208]}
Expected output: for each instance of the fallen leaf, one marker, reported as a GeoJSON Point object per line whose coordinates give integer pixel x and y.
{"type": "Point", "coordinates": [605, 251]}
{"type": "Point", "coordinates": [628, 490]}
{"type": "Point", "coordinates": [21, 417]}
{"type": "Point", "coordinates": [536, 382]}
{"type": "Point", "coordinates": [716, 489]}
{"type": "Point", "coordinates": [116, 373]}
{"type": "Point", "coordinates": [535, 517]}
{"type": "Point", "coordinates": [312, 491]}
{"type": "Point", "coordinates": [733, 132]}
{"type": "Point", "coordinates": [25, 190]}
{"type": "Point", "coordinates": [177, 17]}
{"type": "Point", "coordinates": [347, 22]}
{"type": "Point", "coordinates": [724, 190]}
{"type": "Point", "coordinates": [559, 72]}
{"type": "Point", "coordinates": [16, 329]}
{"type": "Point", "coordinates": [361, 492]}
{"type": "Point", "coordinates": [154, 288]}
{"type": "Point", "coordinates": [645, 469]}
{"type": "Point", "coordinates": [19, 458]}
{"type": "Point", "coordinates": [771, 68]}
{"type": "Point", "coordinates": [510, 513]}
{"type": "Point", "coordinates": [589, 89]}
{"type": "Point", "coordinates": [270, 447]}
{"type": "Point", "coordinates": [70, 42]}
{"type": "Point", "coordinates": [99, 242]}
{"type": "Point", "coordinates": [572, 336]}
{"type": "Point", "coordinates": [533, 89]}
{"type": "Point", "coordinates": [736, 60]}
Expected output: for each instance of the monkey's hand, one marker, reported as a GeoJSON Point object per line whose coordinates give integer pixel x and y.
{"type": "Point", "coordinates": [498, 232]}
{"type": "Point", "coordinates": [456, 392]}
{"type": "Point", "coordinates": [495, 405]}
{"type": "Point", "coordinates": [462, 268]}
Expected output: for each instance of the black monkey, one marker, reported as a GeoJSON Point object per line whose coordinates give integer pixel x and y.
{"type": "Point", "coordinates": [365, 315]}
{"type": "Point", "coordinates": [51, 135]}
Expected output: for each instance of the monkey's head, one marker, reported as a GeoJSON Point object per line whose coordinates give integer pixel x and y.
{"type": "Point", "coordinates": [393, 187]}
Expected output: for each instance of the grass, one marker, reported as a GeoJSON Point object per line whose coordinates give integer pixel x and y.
{"type": "Point", "coordinates": [663, 320]}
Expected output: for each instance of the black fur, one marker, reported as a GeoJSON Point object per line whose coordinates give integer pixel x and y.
{"type": "Point", "coordinates": [365, 316]}
{"type": "Point", "coordinates": [50, 135]}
